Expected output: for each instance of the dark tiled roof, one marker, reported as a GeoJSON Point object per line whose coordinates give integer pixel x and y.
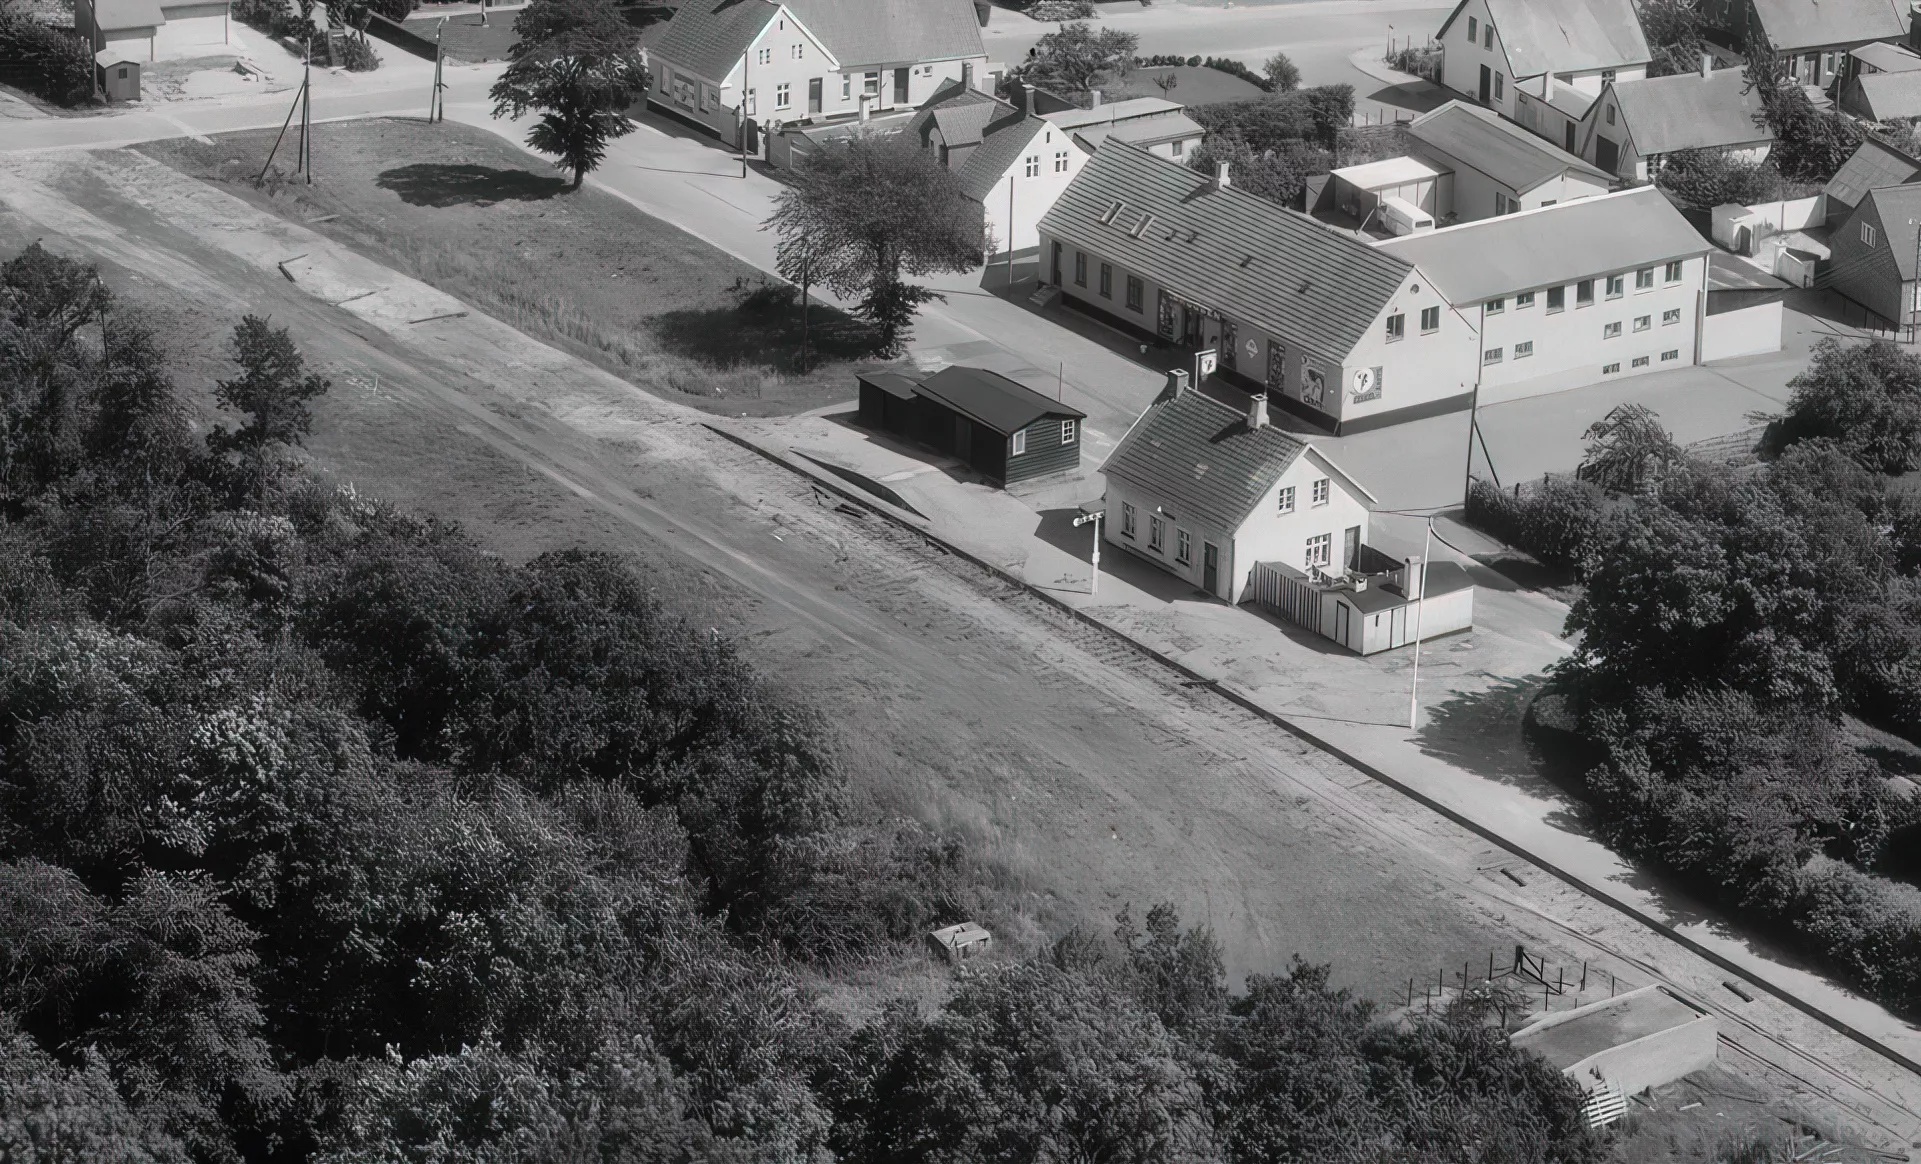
{"type": "Point", "coordinates": [1198, 456]}
{"type": "Point", "coordinates": [708, 37]}
{"type": "Point", "coordinates": [892, 383]}
{"type": "Point", "coordinates": [1505, 152]}
{"type": "Point", "coordinates": [961, 113]}
{"type": "Point", "coordinates": [1873, 165]}
{"type": "Point", "coordinates": [1567, 36]}
{"type": "Point", "coordinates": [1001, 144]}
{"type": "Point", "coordinates": [1004, 405]}
{"type": "Point", "coordinates": [1234, 251]}
{"type": "Point", "coordinates": [1688, 111]}
{"type": "Point", "coordinates": [969, 117]}
{"type": "Point", "coordinates": [892, 32]}
{"type": "Point", "coordinates": [1804, 24]}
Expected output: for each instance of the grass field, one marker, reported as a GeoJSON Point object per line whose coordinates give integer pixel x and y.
{"type": "Point", "coordinates": [459, 208]}
{"type": "Point", "coordinates": [1193, 85]}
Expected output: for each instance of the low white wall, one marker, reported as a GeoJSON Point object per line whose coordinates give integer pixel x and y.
{"type": "Point", "coordinates": [1747, 332]}
{"type": "Point", "coordinates": [1794, 214]}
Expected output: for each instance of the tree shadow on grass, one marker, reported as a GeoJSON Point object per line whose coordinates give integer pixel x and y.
{"type": "Point", "coordinates": [442, 184]}
{"type": "Point", "coordinates": [762, 331]}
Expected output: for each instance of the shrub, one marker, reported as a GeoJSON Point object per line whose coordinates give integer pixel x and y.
{"type": "Point", "coordinates": [1234, 68]}
{"type": "Point", "coordinates": [358, 55]}
{"type": "Point", "coordinates": [1552, 522]}
{"type": "Point", "coordinates": [395, 10]}
{"type": "Point", "coordinates": [50, 62]}
{"type": "Point", "coordinates": [1062, 10]}
{"type": "Point", "coordinates": [1864, 397]}
{"type": "Point", "coordinates": [1710, 178]}
{"type": "Point", "coordinates": [1422, 62]}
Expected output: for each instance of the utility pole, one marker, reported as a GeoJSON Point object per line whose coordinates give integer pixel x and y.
{"type": "Point", "coordinates": [1010, 232]}
{"type": "Point", "coordinates": [746, 80]}
{"type": "Point", "coordinates": [306, 114]}
{"type": "Point", "coordinates": [1420, 604]}
{"type": "Point", "coordinates": [1093, 518]}
{"type": "Point", "coordinates": [437, 108]}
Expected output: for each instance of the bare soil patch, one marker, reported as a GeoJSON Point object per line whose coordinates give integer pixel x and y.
{"type": "Point", "coordinates": [463, 211]}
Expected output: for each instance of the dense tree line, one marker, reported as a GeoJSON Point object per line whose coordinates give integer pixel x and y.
{"type": "Point", "coordinates": [327, 835]}
{"type": "Point", "coordinates": [1730, 623]}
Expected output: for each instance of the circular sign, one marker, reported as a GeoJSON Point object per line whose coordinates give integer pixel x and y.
{"type": "Point", "coordinates": [1363, 381]}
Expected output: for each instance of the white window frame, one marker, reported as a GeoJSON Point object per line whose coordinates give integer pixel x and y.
{"type": "Point", "coordinates": [800, 51]}
{"type": "Point", "coordinates": [1033, 166]}
{"type": "Point", "coordinates": [1644, 279]}
{"type": "Point", "coordinates": [1867, 234]}
{"type": "Point", "coordinates": [767, 56]}
{"type": "Point", "coordinates": [1673, 271]}
{"type": "Point", "coordinates": [1284, 499]}
{"type": "Point", "coordinates": [1640, 362]}
{"type": "Point", "coordinates": [1320, 549]}
{"type": "Point", "coordinates": [1427, 313]}
{"type": "Point", "coordinates": [1068, 432]}
{"type": "Point", "coordinates": [1617, 286]}
{"type": "Point", "coordinates": [847, 86]}
{"type": "Point", "coordinates": [784, 95]}
{"type": "Point", "coordinates": [1670, 354]}
{"type": "Point", "coordinates": [753, 109]}
{"type": "Point", "coordinates": [1183, 547]}
{"type": "Point", "coordinates": [1670, 317]}
{"type": "Point", "coordinates": [1524, 349]}
{"type": "Point", "coordinates": [1321, 491]}
{"type": "Point", "coordinates": [1497, 306]}
{"type": "Point", "coordinates": [1060, 161]}
{"type": "Point", "coordinates": [1491, 356]}
{"type": "Point", "coordinates": [1396, 327]}
{"type": "Point", "coordinates": [1643, 322]}
{"type": "Point", "coordinates": [1524, 299]}
{"type": "Point", "coordinates": [1157, 535]}
{"type": "Point", "coordinates": [1611, 330]}
{"type": "Point", "coordinates": [1018, 443]}
{"type": "Point", "coordinates": [1611, 369]}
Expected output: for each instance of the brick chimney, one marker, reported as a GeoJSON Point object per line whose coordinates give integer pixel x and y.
{"type": "Point", "coordinates": [1176, 383]}
{"type": "Point", "coordinates": [1257, 412]}
{"type": "Point", "coordinates": [1707, 63]}
{"type": "Point", "coordinates": [1221, 179]}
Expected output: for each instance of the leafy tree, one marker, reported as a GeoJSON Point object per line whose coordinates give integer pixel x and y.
{"type": "Point", "coordinates": [1710, 178]}
{"type": "Point", "coordinates": [1676, 33]}
{"type": "Point", "coordinates": [55, 1113]}
{"type": "Point", "coordinates": [1283, 76]}
{"type": "Point", "coordinates": [1810, 144]}
{"type": "Point", "coordinates": [1279, 174]}
{"type": "Point", "coordinates": [273, 389]}
{"type": "Point", "coordinates": [1076, 58]}
{"type": "Point", "coordinates": [1627, 450]}
{"type": "Point", "coordinates": [1179, 974]}
{"type": "Point", "coordinates": [44, 302]}
{"type": "Point", "coordinates": [1865, 397]}
{"type": "Point", "coordinates": [575, 65]}
{"type": "Point", "coordinates": [864, 214]}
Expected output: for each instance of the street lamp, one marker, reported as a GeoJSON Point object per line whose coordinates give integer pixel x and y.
{"type": "Point", "coordinates": [1093, 517]}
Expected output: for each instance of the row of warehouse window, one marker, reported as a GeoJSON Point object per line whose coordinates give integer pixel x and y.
{"type": "Point", "coordinates": [1641, 361]}
{"type": "Point", "coordinates": [1608, 331]}
{"type": "Point", "coordinates": [1615, 287]}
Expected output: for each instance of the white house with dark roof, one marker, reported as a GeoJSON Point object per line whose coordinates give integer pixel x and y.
{"type": "Point", "coordinates": [1635, 123]}
{"type": "Point", "coordinates": [1496, 167]}
{"type": "Point", "coordinates": [1516, 56]}
{"type": "Point", "coordinates": [1814, 39]}
{"type": "Point", "coordinates": [1011, 162]}
{"type": "Point", "coordinates": [809, 60]}
{"type": "Point", "coordinates": [152, 30]}
{"type": "Point", "coordinates": [1345, 335]}
{"type": "Point", "coordinates": [1608, 286]}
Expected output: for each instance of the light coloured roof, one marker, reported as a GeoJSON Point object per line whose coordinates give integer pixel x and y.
{"type": "Point", "coordinates": [1806, 24]}
{"type": "Point", "coordinates": [1143, 131]}
{"type": "Point", "coordinates": [118, 15]}
{"type": "Point", "coordinates": [1571, 101]}
{"type": "Point", "coordinates": [1551, 246]}
{"type": "Point", "coordinates": [1113, 111]}
{"type": "Point", "coordinates": [1484, 140]}
{"type": "Point", "coordinates": [1234, 251]}
{"type": "Point", "coordinates": [1889, 58]}
{"type": "Point", "coordinates": [1566, 36]}
{"type": "Point", "coordinates": [1873, 164]}
{"type": "Point", "coordinates": [115, 54]}
{"type": "Point", "coordinates": [1199, 458]}
{"type": "Point", "coordinates": [1890, 96]}
{"type": "Point", "coordinates": [892, 32]}
{"type": "Point", "coordinates": [1898, 208]}
{"type": "Point", "coordinates": [1688, 111]}
{"type": "Point", "coordinates": [1387, 172]}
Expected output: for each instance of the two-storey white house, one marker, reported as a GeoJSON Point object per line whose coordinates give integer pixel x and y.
{"type": "Point", "coordinates": [1205, 491]}
{"type": "Point", "coordinates": [1541, 62]}
{"type": "Point", "coordinates": [1346, 335]}
{"type": "Point", "coordinates": [1011, 162]}
{"type": "Point", "coordinates": [718, 61]}
{"type": "Point", "coordinates": [1613, 285]}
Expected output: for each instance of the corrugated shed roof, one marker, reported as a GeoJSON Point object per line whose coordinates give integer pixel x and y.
{"type": "Point", "coordinates": [892, 383]}
{"type": "Point", "coordinates": [1804, 24]}
{"type": "Point", "coordinates": [1199, 457]}
{"type": "Point", "coordinates": [1552, 246]}
{"type": "Point", "coordinates": [1565, 36]}
{"type": "Point", "coordinates": [1890, 96]}
{"type": "Point", "coordinates": [892, 32]}
{"type": "Point", "coordinates": [1113, 111]}
{"type": "Point", "coordinates": [1004, 405]}
{"type": "Point", "coordinates": [1571, 101]}
{"type": "Point", "coordinates": [1388, 172]}
{"type": "Point", "coordinates": [1497, 147]}
{"type": "Point", "coordinates": [1889, 58]}
{"type": "Point", "coordinates": [1898, 208]}
{"type": "Point", "coordinates": [1873, 164]}
{"type": "Point", "coordinates": [707, 37]}
{"type": "Point", "coordinates": [1234, 251]}
{"type": "Point", "coordinates": [1688, 111]}
{"type": "Point", "coordinates": [1142, 131]}
{"type": "Point", "coordinates": [118, 15]}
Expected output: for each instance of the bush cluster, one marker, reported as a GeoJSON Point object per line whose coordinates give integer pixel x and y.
{"type": "Point", "coordinates": [1226, 65]}
{"type": "Point", "coordinates": [52, 63]}
{"type": "Point", "coordinates": [1552, 521]}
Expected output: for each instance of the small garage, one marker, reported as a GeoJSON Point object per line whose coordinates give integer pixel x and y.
{"type": "Point", "coordinates": [999, 427]}
{"type": "Point", "coordinates": [119, 74]}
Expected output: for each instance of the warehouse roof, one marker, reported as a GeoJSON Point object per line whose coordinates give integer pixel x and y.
{"type": "Point", "coordinates": [1688, 111]}
{"type": "Point", "coordinates": [1233, 251]}
{"type": "Point", "coordinates": [1485, 141]}
{"type": "Point", "coordinates": [1873, 164]}
{"type": "Point", "coordinates": [1566, 36]}
{"type": "Point", "coordinates": [1004, 405]}
{"type": "Point", "coordinates": [1550, 246]}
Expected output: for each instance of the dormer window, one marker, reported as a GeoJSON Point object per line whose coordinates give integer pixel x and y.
{"type": "Point", "coordinates": [1110, 214]}
{"type": "Point", "coordinates": [1140, 228]}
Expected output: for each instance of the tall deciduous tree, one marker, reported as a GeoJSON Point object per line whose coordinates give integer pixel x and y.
{"type": "Point", "coordinates": [1627, 449]}
{"type": "Point", "coordinates": [575, 65]}
{"type": "Point", "coordinates": [273, 388]}
{"type": "Point", "coordinates": [1076, 58]}
{"type": "Point", "coordinates": [1809, 144]}
{"type": "Point", "coordinates": [1284, 75]}
{"type": "Point", "coordinates": [1865, 397]}
{"type": "Point", "coordinates": [864, 215]}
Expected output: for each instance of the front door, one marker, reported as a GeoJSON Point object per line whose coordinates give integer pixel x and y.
{"type": "Point", "coordinates": [1351, 547]}
{"type": "Point", "coordinates": [900, 86]}
{"type": "Point", "coordinates": [813, 97]}
{"type": "Point", "coordinates": [1210, 568]}
{"type": "Point", "coordinates": [1228, 359]}
{"type": "Point", "coordinates": [1607, 154]}
{"type": "Point", "coordinates": [1341, 625]}
{"type": "Point", "coordinates": [1192, 324]}
{"type": "Point", "coordinates": [1487, 84]}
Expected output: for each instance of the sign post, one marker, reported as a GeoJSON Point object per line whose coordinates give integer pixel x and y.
{"type": "Point", "coordinates": [1094, 573]}
{"type": "Point", "coordinates": [1205, 362]}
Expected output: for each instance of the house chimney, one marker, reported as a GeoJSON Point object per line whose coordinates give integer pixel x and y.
{"type": "Point", "coordinates": [1221, 180]}
{"type": "Point", "coordinates": [1176, 383]}
{"type": "Point", "coordinates": [967, 74]}
{"type": "Point", "coordinates": [1414, 581]}
{"type": "Point", "coordinates": [1023, 100]}
{"type": "Point", "coordinates": [1707, 63]}
{"type": "Point", "coordinates": [1257, 412]}
{"type": "Point", "coordinates": [1093, 98]}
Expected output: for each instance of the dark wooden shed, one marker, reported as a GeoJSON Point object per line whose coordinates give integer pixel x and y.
{"type": "Point", "coordinates": [1001, 428]}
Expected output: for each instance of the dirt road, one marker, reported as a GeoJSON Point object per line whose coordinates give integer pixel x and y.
{"type": "Point", "coordinates": [1090, 773]}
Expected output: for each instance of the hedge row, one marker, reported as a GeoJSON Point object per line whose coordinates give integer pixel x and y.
{"type": "Point", "coordinates": [1551, 521]}
{"type": "Point", "coordinates": [1223, 64]}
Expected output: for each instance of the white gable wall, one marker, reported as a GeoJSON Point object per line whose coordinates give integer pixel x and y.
{"type": "Point", "coordinates": [1462, 59]}
{"type": "Point", "coordinates": [1416, 369]}
{"type": "Point", "coordinates": [1058, 160]}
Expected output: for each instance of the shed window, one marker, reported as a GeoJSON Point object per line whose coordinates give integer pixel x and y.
{"type": "Point", "coordinates": [1020, 443]}
{"type": "Point", "coordinates": [1067, 432]}
{"type": "Point", "coordinates": [123, 74]}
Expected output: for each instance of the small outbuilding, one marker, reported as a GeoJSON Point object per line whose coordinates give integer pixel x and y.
{"type": "Point", "coordinates": [961, 941]}
{"type": "Point", "coordinates": [1632, 1042]}
{"type": "Point", "coordinates": [1003, 429]}
{"type": "Point", "coordinates": [119, 74]}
